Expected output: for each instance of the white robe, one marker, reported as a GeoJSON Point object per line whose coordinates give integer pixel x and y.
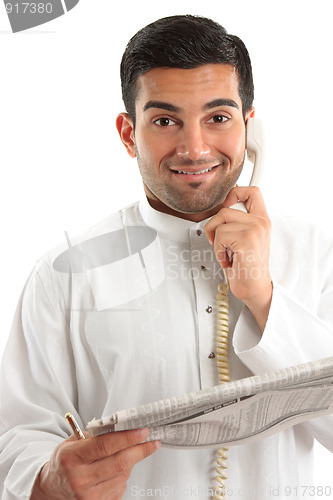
{"type": "Point", "coordinates": [118, 317]}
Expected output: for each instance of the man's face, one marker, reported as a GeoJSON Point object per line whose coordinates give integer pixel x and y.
{"type": "Point", "coordinates": [189, 138]}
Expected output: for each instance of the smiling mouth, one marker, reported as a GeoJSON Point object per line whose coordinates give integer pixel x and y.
{"type": "Point", "coordinates": [204, 171]}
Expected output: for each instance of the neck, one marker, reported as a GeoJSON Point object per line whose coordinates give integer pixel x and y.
{"type": "Point", "coordinates": [194, 217]}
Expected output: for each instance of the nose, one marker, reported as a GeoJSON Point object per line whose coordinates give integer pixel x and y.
{"type": "Point", "coordinates": [192, 144]}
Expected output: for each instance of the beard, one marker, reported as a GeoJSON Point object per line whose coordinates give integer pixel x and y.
{"type": "Point", "coordinates": [197, 198]}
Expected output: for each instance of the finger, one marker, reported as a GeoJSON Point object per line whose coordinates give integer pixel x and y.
{"type": "Point", "coordinates": [108, 444]}
{"type": "Point", "coordinates": [227, 219]}
{"type": "Point", "coordinates": [226, 245]}
{"type": "Point", "coordinates": [224, 257]}
{"type": "Point", "coordinates": [120, 464]}
{"type": "Point", "coordinates": [250, 196]}
{"type": "Point", "coordinates": [86, 477]}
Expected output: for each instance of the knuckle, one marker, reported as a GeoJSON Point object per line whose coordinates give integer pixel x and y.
{"type": "Point", "coordinates": [126, 475]}
{"type": "Point", "coordinates": [65, 461]}
{"type": "Point", "coordinates": [76, 485]}
{"type": "Point", "coordinates": [149, 448]}
{"type": "Point", "coordinates": [122, 464]}
{"type": "Point", "coordinates": [255, 190]}
{"type": "Point", "coordinates": [259, 228]}
{"type": "Point", "coordinates": [262, 226]}
{"type": "Point", "coordinates": [267, 223]}
{"type": "Point", "coordinates": [266, 231]}
{"type": "Point", "coordinates": [104, 446]}
{"type": "Point", "coordinates": [251, 235]}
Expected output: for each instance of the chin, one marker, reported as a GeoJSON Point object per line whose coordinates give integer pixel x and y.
{"type": "Point", "coordinates": [196, 207]}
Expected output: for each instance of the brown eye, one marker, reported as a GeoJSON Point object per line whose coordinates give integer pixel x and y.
{"type": "Point", "coordinates": [164, 122]}
{"type": "Point", "coordinates": [218, 119]}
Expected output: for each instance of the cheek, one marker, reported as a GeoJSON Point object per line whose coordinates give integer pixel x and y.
{"type": "Point", "coordinates": [152, 150]}
{"type": "Point", "coordinates": [233, 145]}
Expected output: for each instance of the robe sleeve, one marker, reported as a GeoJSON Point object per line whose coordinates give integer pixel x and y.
{"type": "Point", "coordinates": [299, 326]}
{"type": "Point", "coordinates": [37, 387]}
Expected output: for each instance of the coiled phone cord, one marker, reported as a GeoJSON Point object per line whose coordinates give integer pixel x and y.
{"type": "Point", "coordinates": [222, 351]}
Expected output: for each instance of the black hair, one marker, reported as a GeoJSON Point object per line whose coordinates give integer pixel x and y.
{"type": "Point", "coordinates": [186, 42]}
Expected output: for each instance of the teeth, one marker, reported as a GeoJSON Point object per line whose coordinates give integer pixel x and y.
{"type": "Point", "coordinates": [194, 173]}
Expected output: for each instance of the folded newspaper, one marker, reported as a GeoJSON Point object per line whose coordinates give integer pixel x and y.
{"type": "Point", "coordinates": [232, 413]}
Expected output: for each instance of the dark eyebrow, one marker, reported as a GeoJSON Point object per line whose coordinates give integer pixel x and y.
{"type": "Point", "coordinates": [221, 102]}
{"type": "Point", "coordinates": [175, 109]}
{"type": "Point", "coordinates": [161, 105]}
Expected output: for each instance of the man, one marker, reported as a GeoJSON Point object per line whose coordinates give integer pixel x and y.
{"type": "Point", "coordinates": [125, 314]}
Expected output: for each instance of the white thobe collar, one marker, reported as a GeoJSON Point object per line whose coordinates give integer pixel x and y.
{"type": "Point", "coordinates": [168, 226]}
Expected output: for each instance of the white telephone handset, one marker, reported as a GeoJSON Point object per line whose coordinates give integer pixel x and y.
{"type": "Point", "coordinates": [254, 141]}
{"type": "Point", "coordinates": [254, 147]}
{"type": "Point", "coordinates": [255, 153]}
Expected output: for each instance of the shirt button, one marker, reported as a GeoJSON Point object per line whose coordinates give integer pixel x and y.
{"type": "Point", "coordinates": [199, 232]}
{"type": "Point", "coordinates": [209, 309]}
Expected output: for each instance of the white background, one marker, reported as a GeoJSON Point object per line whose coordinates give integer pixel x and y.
{"type": "Point", "coordinates": [63, 167]}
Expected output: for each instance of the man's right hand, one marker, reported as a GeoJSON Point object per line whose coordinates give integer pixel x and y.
{"type": "Point", "coordinates": [92, 469]}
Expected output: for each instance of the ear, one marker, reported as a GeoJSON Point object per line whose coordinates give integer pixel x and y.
{"type": "Point", "coordinates": [125, 129]}
{"type": "Point", "coordinates": [250, 114]}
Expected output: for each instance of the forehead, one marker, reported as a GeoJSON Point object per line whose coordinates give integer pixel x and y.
{"type": "Point", "coordinates": [188, 86]}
